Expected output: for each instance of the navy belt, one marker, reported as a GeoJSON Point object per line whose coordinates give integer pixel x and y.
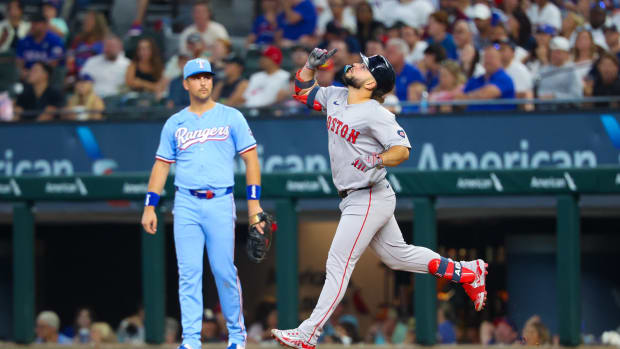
{"type": "Point", "coordinates": [207, 193]}
{"type": "Point", "coordinates": [344, 193]}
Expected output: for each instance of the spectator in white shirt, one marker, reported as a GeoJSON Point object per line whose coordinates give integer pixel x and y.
{"type": "Point", "coordinates": [413, 38]}
{"type": "Point", "coordinates": [482, 16]}
{"type": "Point", "coordinates": [203, 25]}
{"type": "Point", "coordinates": [521, 76]}
{"type": "Point", "coordinates": [264, 85]}
{"type": "Point", "coordinates": [559, 80]}
{"type": "Point", "coordinates": [414, 13]}
{"type": "Point", "coordinates": [545, 12]}
{"type": "Point", "coordinates": [13, 28]}
{"type": "Point", "coordinates": [108, 69]}
{"type": "Point", "coordinates": [339, 12]}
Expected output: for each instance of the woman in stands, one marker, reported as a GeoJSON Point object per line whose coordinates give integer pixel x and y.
{"type": "Point", "coordinates": [451, 81]}
{"type": "Point", "coordinates": [88, 43]}
{"type": "Point", "coordinates": [585, 52]}
{"type": "Point", "coordinates": [144, 74]}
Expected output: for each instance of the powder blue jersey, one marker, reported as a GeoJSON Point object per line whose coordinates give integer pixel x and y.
{"type": "Point", "coordinates": [204, 147]}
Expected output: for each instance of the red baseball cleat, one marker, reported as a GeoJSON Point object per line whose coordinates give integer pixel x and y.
{"type": "Point", "coordinates": [476, 290]}
{"type": "Point", "coordinates": [292, 339]}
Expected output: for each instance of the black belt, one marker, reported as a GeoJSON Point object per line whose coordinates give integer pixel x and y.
{"type": "Point", "coordinates": [344, 193]}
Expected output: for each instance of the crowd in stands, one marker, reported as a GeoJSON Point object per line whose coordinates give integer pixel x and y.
{"type": "Point", "coordinates": [390, 325]}
{"type": "Point", "coordinates": [441, 50]}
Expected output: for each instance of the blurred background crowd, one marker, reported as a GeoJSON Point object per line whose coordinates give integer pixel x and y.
{"type": "Point", "coordinates": [390, 325]}
{"type": "Point", "coordinates": [120, 59]}
{"type": "Point", "coordinates": [79, 59]}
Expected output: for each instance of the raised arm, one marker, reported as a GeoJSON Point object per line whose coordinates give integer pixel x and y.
{"type": "Point", "coordinates": [304, 80]}
{"type": "Point", "coordinates": [306, 86]}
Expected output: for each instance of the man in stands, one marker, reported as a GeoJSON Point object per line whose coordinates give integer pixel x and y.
{"type": "Point", "coordinates": [108, 69]}
{"type": "Point", "coordinates": [47, 326]}
{"type": "Point", "coordinates": [264, 85]}
{"type": "Point", "coordinates": [494, 84]}
{"type": "Point", "coordinates": [209, 30]}
{"type": "Point", "coordinates": [39, 101]}
{"type": "Point", "coordinates": [40, 45]}
{"type": "Point", "coordinates": [559, 80]}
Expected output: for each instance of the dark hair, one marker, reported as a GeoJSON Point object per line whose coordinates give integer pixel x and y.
{"type": "Point", "coordinates": [99, 31]}
{"type": "Point", "coordinates": [378, 96]}
{"type": "Point", "coordinates": [48, 68]}
{"type": "Point", "coordinates": [525, 27]}
{"type": "Point", "coordinates": [201, 2]}
{"type": "Point", "coordinates": [436, 50]}
{"type": "Point", "coordinates": [441, 17]}
{"type": "Point", "coordinates": [612, 57]}
{"type": "Point", "coordinates": [19, 4]}
{"type": "Point", "coordinates": [156, 63]}
{"type": "Point", "coordinates": [470, 72]}
{"type": "Point", "coordinates": [263, 310]}
{"type": "Point", "coordinates": [90, 311]}
{"type": "Point", "coordinates": [351, 331]}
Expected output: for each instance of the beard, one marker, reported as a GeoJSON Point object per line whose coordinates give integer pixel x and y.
{"type": "Point", "coordinates": [351, 81]}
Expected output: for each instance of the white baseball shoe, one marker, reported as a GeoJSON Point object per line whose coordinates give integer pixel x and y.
{"type": "Point", "coordinates": [292, 339]}
{"type": "Point", "coordinates": [476, 290]}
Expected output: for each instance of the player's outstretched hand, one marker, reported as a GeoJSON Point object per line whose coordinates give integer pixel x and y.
{"type": "Point", "coordinates": [366, 162]}
{"type": "Point", "coordinates": [318, 57]}
{"type": "Point", "coordinates": [149, 220]}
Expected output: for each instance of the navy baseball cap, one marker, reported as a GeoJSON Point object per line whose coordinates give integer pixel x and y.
{"type": "Point", "coordinates": [196, 66]}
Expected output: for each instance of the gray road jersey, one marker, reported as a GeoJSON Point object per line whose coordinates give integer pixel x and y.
{"type": "Point", "coordinates": [354, 130]}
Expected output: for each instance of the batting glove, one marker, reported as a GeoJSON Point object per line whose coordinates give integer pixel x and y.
{"type": "Point", "coordinates": [366, 162]}
{"type": "Point", "coordinates": [318, 57]}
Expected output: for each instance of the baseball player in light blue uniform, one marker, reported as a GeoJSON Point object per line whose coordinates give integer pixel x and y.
{"type": "Point", "coordinates": [203, 140]}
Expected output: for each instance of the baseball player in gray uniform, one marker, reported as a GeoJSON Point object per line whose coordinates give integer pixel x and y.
{"type": "Point", "coordinates": [364, 138]}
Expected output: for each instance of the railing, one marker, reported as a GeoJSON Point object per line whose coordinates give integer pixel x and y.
{"type": "Point", "coordinates": [152, 111]}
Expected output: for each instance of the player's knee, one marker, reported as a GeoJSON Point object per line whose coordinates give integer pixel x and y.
{"type": "Point", "coordinates": [190, 272]}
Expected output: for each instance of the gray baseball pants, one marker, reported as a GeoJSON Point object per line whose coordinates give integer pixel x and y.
{"type": "Point", "coordinates": [367, 219]}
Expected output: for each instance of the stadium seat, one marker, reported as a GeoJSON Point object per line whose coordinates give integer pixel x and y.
{"type": "Point", "coordinates": [252, 58]}
{"type": "Point", "coordinates": [8, 71]}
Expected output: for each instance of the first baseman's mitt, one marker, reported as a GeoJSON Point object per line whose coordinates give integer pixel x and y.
{"type": "Point", "coordinates": [258, 244]}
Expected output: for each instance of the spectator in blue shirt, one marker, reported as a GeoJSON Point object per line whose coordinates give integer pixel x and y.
{"type": "Point", "coordinates": [409, 83]}
{"type": "Point", "coordinates": [297, 21]}
{"type": "Point", "coordinates": [438, 24]}
{"type": "Point", "coordinates": [265, 25]}
{"type": "Point", "coordinates": [41, 45]}
{"type": "Point", "coordinates": [494, 84]}
{"type": "Point", "coordinates": [434, 55]}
